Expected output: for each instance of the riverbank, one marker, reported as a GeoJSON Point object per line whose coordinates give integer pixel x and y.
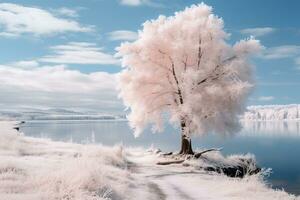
{"type": "Point", "coordinates": [34, 169]}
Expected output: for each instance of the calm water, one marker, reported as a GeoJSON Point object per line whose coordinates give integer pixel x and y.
{"type": "Point", "coordinates": [276, 145]}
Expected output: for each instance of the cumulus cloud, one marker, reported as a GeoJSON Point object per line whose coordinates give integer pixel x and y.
{"type": "Point", "coordinates": [259, 31]}
{"type": "Point", "coordinates": [266, 98]}
{"type": "Point", "coordinates": [58, 86]}
{"type": "Point", "coordinates": [79, 53]}
{"type": "Point", "coordinates": [123, 35]}
{"type": "Point", "coordinates": [18, 19]}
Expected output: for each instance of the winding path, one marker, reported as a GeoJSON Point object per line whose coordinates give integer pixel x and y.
{"type": "Point", "coordinates": [166, 182]}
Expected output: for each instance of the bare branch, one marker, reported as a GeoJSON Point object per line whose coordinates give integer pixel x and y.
{"type": "Point", "coordinates": [199, 53]}
{"type": "Point", "coordinates": [159, 64]}
{"type": "Point", "coordinates": [229, 59]}
{"type": "Point", "coordinates": [185, 62]}
{"type": "Point", "coordinates": [165, 92]}
{"type": "Point", "coordinates": [160, 51]}
{"type": "Point", "coordinates": [170, 162]}
{"type": "Point", "coordinates": [213, 75]}
{"type": "Point", "coordinates": [174, 76]}
{"type": "Point", "coordinates": [170, 70]}
{"type": "Point", "coordinates": [198, 155]}
{"type": "Point", "coordinates": [177, 82]}
{"type": "Point", "coordinates": [174, 97]}
{"type": "Point", "coordinates": [160, 94]}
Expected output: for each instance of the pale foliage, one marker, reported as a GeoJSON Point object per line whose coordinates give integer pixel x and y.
{"type": "Point", "coordinates": [183, 66]}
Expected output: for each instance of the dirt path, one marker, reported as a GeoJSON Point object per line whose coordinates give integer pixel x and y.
{"type": "Point", "coordinates": [161, 180]}
{"type": "Point", "coordinates": [178, 182]}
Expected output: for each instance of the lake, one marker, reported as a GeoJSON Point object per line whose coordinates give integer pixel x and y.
{"type": "Point", "coordinates": [276, 145]}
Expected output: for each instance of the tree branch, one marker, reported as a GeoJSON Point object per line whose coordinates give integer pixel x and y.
{"type": "Point", "coordinates": [198, 155]}
{"type": "Point", "coordinates": [174, 75]}
{"type": "Point", "coordinates": [164, 92]}
{"type": "Point", "coordinates": [199, 53]}
{"type": "Point", "coordinates": [161, 94]}
{"type": "Point", "coordinates": [162, 66]}
{"type": "Point", "coordinates": [177, 82]}
{"type": "Point", "coordinates": [170, 162]}
{"type": "Point", "coordinates": [214, 76]}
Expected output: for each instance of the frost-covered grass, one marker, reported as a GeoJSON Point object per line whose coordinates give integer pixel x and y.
{"type": "Point", "coordinates": [40, 169]}
{"type": "Point", "coordinates": [35, 169]}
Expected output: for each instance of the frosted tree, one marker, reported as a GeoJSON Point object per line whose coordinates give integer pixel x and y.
{"type": "Point", "coordinates": [182, 69]}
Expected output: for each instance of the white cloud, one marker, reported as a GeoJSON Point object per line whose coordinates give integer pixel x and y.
{"type": "Point", "coordinates": [8, 35]}
{"type": "Point", "coordinates": [132, 2]}
{"type": "Point", "coordinates": [281, 52]}
{"type": "Point", "coordinates": [285, 51]}
{"type": "Point", "coordinates": [17, 19]}
{"type": "Point", "coordinates": [25, 64]}
{"type": "Point", "coordinates": [123, 35]}
{"type": "Point", "coordinates": [79, 53]}
{"type": "Point", "coordinates": [67, 12]}
{"type": "Point", "coordinates": [257, 32]}
{"type": "Point", "coordinates": [266, 98]}
{"type": "Point", "coordinates": [58, 86]}
{"type": "Point", "coordinates": [140, 2]}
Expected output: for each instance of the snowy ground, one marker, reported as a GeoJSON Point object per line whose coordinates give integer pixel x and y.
{"type": "Point", "coordinates": [40, 169]}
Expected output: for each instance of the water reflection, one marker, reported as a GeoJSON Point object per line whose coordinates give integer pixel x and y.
{"type": "Point", "coordinates": [271, 128]}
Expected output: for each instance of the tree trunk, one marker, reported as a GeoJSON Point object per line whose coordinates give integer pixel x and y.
{"type": "Point", "coordinates": [186, 143]}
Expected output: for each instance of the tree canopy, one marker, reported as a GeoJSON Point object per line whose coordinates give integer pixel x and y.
{"type": "Point", "coordinates": [184, 65]}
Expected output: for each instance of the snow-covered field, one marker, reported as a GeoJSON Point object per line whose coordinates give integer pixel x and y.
{"type": "Point", "coordinates": [272, 112]}
{"type": "Point", "coordinates": [40, 169]}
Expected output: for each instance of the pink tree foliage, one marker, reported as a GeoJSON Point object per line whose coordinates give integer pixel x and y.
{"type": "Point", "coordinates": [183, 66]}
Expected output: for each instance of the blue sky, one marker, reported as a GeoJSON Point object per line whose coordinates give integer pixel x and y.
{"type": "Point", "coordinates": [60, 53]}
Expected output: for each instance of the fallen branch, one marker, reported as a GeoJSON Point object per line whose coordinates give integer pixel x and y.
{"type": "Point", "coordinates": [198, 155]}
{"type": "Point", "coordinates": [170, 162]}
{"type": "Point", "coordinates": [167, 154]}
